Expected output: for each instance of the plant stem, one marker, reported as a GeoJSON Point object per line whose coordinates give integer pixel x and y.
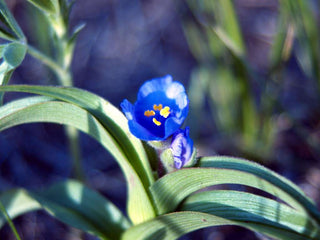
{"type": "Point", "coordinates": [63, 75]}
{"type": "Point", "coordinates": [13, 228]}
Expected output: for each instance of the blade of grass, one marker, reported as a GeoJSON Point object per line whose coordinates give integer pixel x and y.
{"type": "Point", "coordinates": [13, 228]}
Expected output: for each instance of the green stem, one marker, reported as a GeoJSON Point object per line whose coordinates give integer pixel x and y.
{"type": "Point", "coordinates": [65, 79]}
{"type": "Point", "coordinates": [13, 228]}
{"type": "Point", "coordinates": [73, 138]}
{"type": "Point", "coordinates": [63, 75]}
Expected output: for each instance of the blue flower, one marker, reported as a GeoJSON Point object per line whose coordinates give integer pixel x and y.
{"type": "Point", "coordinates": [159, 111]}
{"type": "Point", "coordinates": [182, 148]}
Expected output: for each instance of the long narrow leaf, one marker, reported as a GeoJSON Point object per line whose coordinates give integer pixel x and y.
{"type": "Point", "coordinates": [139, 205]}
{"type": "Point", "coordinates": [7, 19]}
{"type": "Point", "coordinates": [72, 203]}
{"type": "Point", "coordinates": [16, 203]}
{"type": "Point", "coordinates": [250, 208]}
{"type": "Point", "coordinates": [78, 206]}
{"type": "Point", "coordinates": [47, 6]}
{"type": "Point", "coordinates": [174, 225]}
{"type": "Point", "coordinates": [299, 199]}
{"type": "Point", "coordinates": [11, 224]}
{"type": "Point", "coordinates": [170, 190]}
{"type": "Point", "coordinates": [109, 116]}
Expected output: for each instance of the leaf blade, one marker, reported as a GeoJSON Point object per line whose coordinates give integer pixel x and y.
{"type": "Point", "coordinates": [247, 207]}
{"type": "Point", "coordinates": [78, 206]}
{"type": "Point", "coordinates": [106, 113]}
{"type": "Point", "coordinates": [139, 206]}
{"type": "Point", "coordinates": [174, 225]}
{"type": "Point", "coordinates": [300, 199]}
{"type": "Point", "coordinates": [9, 21]}
{"type": "Point", "coordinates": [186, 181]}
{"type": "Point", "coordinates": [17, 202]}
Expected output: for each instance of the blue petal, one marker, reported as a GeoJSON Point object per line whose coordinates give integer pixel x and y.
{"type": "Point", "coordinates": [175, 89]}
{"type": "Point", "coordinates": [140, 132]}
{"type": "Point", "coordinates": [171, 126]}
{"type": "Point", "coordinates": [182, 100]}
{"type": "Point", "coordinates": [154, 85]}
{"type": "Point", "coordinates": [127, 109]}
{"type": "Point", "coordinates": [157, 91]}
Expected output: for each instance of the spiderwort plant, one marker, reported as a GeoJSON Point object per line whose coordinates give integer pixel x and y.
{"type": "Point", "coordinates": [162, 208]}
{"type": "Point", "coordinates": [165, 208]}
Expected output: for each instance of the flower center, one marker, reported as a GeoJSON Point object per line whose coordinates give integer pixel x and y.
{"type": "Point", "coordinates": [163, 112]}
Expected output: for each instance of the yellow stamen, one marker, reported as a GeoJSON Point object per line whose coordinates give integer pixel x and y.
{"type": "Point", "coordinates": [165, 112]}
{"type": "Point", "coordinates": [156, 122]}
{"type": "Point", "coordinates": [149, 113]}
{"type": "Point", "coordinates": [157, 107]}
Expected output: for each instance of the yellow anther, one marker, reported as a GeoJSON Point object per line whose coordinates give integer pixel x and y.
{"type": "Point", "coordinates": [156, 122]}
{"type": "Point", "coordinates": [157, 107]}
{"type": "Point", "coordinates": [165, 112]}
{"type": "Point", "coordinates": [149, 113]}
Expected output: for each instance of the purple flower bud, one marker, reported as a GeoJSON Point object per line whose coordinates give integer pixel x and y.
{"type": "Point", "coordinates": [182, 148]}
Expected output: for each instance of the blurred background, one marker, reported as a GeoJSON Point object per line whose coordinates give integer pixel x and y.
{"type": "Point", "coordinates": [251, 69]}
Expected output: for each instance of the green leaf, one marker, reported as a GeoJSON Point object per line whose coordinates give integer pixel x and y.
{"type": "Point", "coordinates": [5, 34]}
{"type": "Point", "coordinates": [171, 189]}
{"type": "Point", "coordinates": [197, 42]}
{"type": "Point", "coordinates": [80, 207]}
{"type": "Point", "coordinates": [17, 202]}
{"type": "Point", "coordinates": [249, 208]}
{"type": "Point", "coordinates": [174, 225]}
{"type": "Point", "coordinates": [14, 53]}
{"type": "Point", "coordinates": [220, 17]}
{"type": "Point", "coordinates": [14, 106]}
{"type": "Point", "coordinates": [109, 116]}
{"type": "Point", "coordinates": [284, 38]}
{"type": "Point", "coordinates": [72, 203]}
{"type": "Point", "coordinates": [128, 151]}
{"type": "Point", "coordinates": [295, 196]}
{"type": "Point", "coordinates": [12, 226]}
{"type": "Point", "coordinates": [47, 6]}
{"type": "Point", "coordinates": [8, 20]}
{"type": "Point", "coordinates": [71, 43]}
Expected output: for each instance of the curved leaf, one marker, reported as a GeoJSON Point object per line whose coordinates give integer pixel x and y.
{"type": "Point", "coordinates": [299, 199]}
{"type": "Point", "coordinates": [80, 207]}
{"type": "Point", "coordinates": [250, 208]}
{"type": "Point", "coordinates": [21, 103]}
{"type": "Point", "coordinates": [12, 54]}
{"type": "Point", "coordinates": [72, 203]}
{"type": "Point", "coordinates": [16, 203]}
{"type": "Point", "coordinates": [139, 205]}
{"type": "Point", "coordinates": [171, 189]}
{"type": "Point", "coordinates": [8, 20]}
{"type": "Point", "coordinates": [47, 6]}
{"type": "Point", "coordinates": [109, 116]}
{"type": "Point", "coordinates": [174, 225]}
